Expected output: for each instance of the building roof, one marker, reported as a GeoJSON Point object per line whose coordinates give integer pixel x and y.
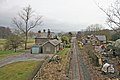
{"type": "Point", "coordinates": [45, 35]}
{"type": "Point", "coordinates": [54, 42]}
{"type": "Point", "coordinates": [101, 37]}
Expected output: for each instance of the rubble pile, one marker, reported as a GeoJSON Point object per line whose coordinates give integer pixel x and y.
{"type": "Point", "coordinates": [55, 70]}
{"type": "Point", "coordinates": [95, 71]}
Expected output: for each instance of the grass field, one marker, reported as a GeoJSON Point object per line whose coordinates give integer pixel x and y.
{"type": "Point", "coordinates": [7, 53]}
{"type": "Point", "coordinates": [30, 42]}
{"type": "Point", "coordinates": [2, 41]}
{"type": "Point", "coordinates": [18, 70]}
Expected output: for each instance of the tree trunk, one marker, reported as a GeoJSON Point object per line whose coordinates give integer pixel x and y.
{"type": "Point", "coordinates": [26, 38]}
{"type": "Point", "coordinates": [15, 49]}
{"type": "Point", "coordinates": [26, 34]}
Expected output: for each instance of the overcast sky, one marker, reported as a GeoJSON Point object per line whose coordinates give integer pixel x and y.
{"type": "Point", "coordinates": [76, 13]}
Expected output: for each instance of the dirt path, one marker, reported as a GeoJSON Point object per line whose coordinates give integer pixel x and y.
{"type": "Point", "coordinates": [23, 57]}
{"type": "Point", "coordinates": [78, 70]}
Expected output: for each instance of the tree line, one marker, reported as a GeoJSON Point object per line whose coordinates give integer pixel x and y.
{"type": "Point", "coordinates": [5, 32]}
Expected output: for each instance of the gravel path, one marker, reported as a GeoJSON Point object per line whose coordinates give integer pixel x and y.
{"type": "Point", "coordinates": [78, 71]}
{"type": "Point", "coordinates": [75, 71]}
{"type": "Point", "coordinates": [85, 72]}
{"type": "Point", "coordinates": [75, 65]}
{"type": "Point", "coordinates": [23, 57]}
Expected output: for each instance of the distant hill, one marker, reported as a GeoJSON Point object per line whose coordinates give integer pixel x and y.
{"type": "Point", "coordinates": [55, 26]}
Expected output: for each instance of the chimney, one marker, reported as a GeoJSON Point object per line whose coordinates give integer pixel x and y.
{"type": "Point", "coordinates": [48, 33]}
{"type": "Point", "coordinates": [38, 34]}
{"type": "Point", "coordinates": [39, 31]}
{"type": "Point", "coordinates": [43, 30]}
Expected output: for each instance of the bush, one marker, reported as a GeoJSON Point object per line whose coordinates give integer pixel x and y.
{"type": "Point", "coordinates": [117, 51]}
{"type": "Point", "coordinates": [78, 42]}
{"type": "Point", "coordinates": [93, 58]}
{"type": "Point", "coordinates": [116, 36]}
{"type": "Point", "coordinates": [13, 42]}
{"type": "Point", "coordinates": [65, 39]}
{"type": "Point", "coordinates": [67, 46]}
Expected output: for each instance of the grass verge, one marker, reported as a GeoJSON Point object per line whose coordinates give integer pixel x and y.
{"type": "Point", "coordinates": [63, 53]}
{"type": "Point", "coordinates": [65, 59]}
{"type": "Point", "coordinates": [18, 70]}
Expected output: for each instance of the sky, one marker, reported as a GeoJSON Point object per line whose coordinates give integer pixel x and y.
{"type": "Point", "coordinates": [59, 15]}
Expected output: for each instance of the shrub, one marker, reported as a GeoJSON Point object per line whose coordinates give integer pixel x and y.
{"type": "Point", "coordinates": [93, 58]}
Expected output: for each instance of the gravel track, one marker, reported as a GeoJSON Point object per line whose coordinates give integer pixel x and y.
{"type": "Point", "coordinates": [78, 71]}
{"type": "Point", "coordinates": [85, 72]}
{"type": "Point", "coordinates": [23, 57]}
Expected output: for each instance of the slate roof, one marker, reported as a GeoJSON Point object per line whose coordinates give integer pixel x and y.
{"type": "Point", "coordinates": [101, 37]}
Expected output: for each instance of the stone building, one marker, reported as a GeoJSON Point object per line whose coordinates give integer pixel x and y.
{"type": "Point", "coordinates": [46, 42]}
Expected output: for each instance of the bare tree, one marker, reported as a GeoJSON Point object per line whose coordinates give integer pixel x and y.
{"type": "Point", "coordinates": [26, 20]}
{"type": "Point", "coordinates": [113, 15]}
{"type": "Point", "coordinates": [94, 27]}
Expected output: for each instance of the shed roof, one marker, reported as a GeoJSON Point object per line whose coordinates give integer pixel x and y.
{"type": "Point", "coordinates": [101, 37]}
{"type": "Point", "coordinates": [54, 42]}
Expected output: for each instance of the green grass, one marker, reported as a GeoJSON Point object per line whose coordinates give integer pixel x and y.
{"type": "Point", "coordinates": [18, 70]}
{"type": "Point", "coordinates": [7, 53]}
{"type": "Point", "coordinates": [31, 41]}
{"type": "Point", "coordinates": [2, 41]}
{"type": "Point", "coordinates": [63, 53]}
